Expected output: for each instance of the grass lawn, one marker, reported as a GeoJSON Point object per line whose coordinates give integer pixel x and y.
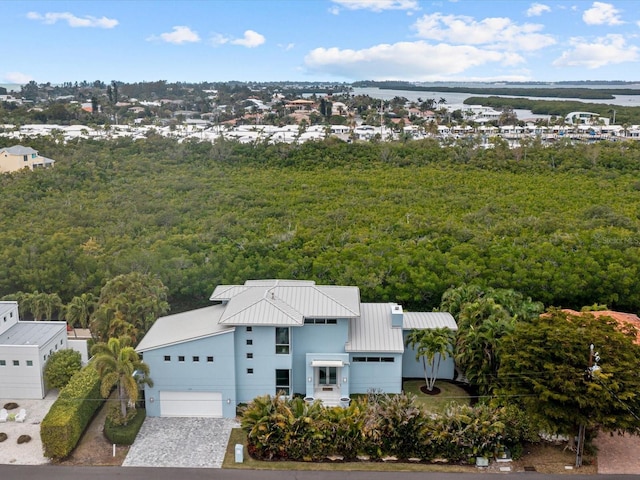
{"type": "Point", "coordinates": [450, 394]}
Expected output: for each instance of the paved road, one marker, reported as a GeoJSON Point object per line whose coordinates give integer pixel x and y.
{"type": "Point", "coordinates": [48, 472]}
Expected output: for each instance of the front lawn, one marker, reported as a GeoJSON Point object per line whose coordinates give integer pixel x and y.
{"type": "Point", "coordinates": [450, 394]}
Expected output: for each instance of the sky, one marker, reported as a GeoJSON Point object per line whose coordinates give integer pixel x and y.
{"type": "Point", "coordinates": [319, 40]}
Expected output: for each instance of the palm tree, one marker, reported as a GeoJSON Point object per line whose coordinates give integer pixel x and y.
{"type": "Point", "coordinates": [431, 345]}
{"type": "Point", "coordinates": [119, 365]}
{"type": "Point", "coordinates": [79, 310]}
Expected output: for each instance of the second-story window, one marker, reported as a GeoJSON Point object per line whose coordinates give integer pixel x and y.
{"type": "Point", "coordinates": [282, 340]}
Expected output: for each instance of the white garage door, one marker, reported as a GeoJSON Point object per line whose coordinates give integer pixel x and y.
{"type": "Point", "coordinates": [190, 404]}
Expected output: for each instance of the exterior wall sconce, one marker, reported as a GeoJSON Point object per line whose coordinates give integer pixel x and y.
{"type": "Point", "coordinates": [344, 379]}
{"type": "Point", "coordinates": [228, 401]}
{"type": "Point", "coordinates": [309, 379]}
{"type": "Point", "coordinates": [151, 399]}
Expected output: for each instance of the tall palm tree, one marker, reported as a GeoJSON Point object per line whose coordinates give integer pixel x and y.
{"type": "Point", "coordinates": [79, 310]}
{"type": "Point", "coordinates": [118, 363]}
{"type": "Point", "coordinates": [431, 345]}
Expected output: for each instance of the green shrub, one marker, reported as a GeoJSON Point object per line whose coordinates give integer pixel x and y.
{"type": "Point", "coordinates": [70, 414]}
{"type": "Point", "coordinates": [24, 439]}
{"type": "Point", "coordinates": [124, 434]}
{"type": "Point", "coordinates": [3, 437]}
{"type": "Point", "coordinates": [60, 367]}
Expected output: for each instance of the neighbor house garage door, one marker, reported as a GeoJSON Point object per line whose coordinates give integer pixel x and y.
{"type": "Point", "coordinates": [190, 404]}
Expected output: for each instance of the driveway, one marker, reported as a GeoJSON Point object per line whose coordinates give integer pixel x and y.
{"type": "Point", "coordinates": [181, 442]}
{"type": "Point", "coordinates": [618, 453]}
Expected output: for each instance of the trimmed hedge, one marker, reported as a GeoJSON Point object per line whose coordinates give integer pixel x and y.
{"type": "Point", "coordinates": [70, 414]}
{"type": "Point", "coordinates": [125, 434]}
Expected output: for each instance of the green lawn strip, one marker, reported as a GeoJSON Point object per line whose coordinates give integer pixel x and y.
{"type": "Point", "coordinates": [449, 394]}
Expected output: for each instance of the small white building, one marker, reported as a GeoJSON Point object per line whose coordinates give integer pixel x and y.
{"type": "Point", "coordinates": [24, 350]}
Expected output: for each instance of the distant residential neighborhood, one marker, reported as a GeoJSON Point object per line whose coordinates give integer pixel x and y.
{"type": "Point", "coordinates": [272, 113]}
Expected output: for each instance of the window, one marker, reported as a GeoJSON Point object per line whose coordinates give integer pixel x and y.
{"type": "Point", "coordinates": [249, 329]}
{"type": "Point", "coordinates": [373, 359]}
{"type": "Point", "coordinates": [320, 321]}
{"type": "Point", "coordinates": [29, 363]}
{"type": "Point", "coordinates": [10, 314]}
{"type": "Point", "coordinates": [3, 363]}
{"type": "Point", "coordinates": [282, 381]}
{"type": "Point", "coordinates": [249, 342]}
{"type": "Point", "coordinates": [181, 358]}
{"type": "Point", "coordinates": [210, 359]}
{"type": "Point", "coordinates": [249, 355]}
{"type": "Point", "coordinates": [60, 341]}
{"type": "Point", "coordinates": [328, 375]}
{"type": "Point", "coordinates": [282, 340]}
{"type": "Point", "coordinates": [196, 358]}
{"type": "Point", "coordinates": [16, 363]}
{"type": "Point", "coordinates": [249, 371]}
{"type": "Point", "coordinates": [167, 358]}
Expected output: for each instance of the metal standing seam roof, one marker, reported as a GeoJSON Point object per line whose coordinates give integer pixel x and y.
{"type": "Point", "coordinates": [372, 332]}
{"type": "Point", "coordinates": [32, 333]}
{"type": "Point", "coordinates": [428, 320]}
{"type": "Point", "coordinates": [184, 327]}
{"type": "Point", "coordinates": [285, 302]}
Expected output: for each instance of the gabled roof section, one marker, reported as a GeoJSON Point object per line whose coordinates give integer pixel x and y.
{"type": "Point", "coordinates": [423, 320]}
{"type": "Point", "coordinates": [285, 302]}
{"type": "Point", "coordinates": [183, 327]}
{"type": "Point", "coordinates": [18, 150]}
{"type": "Point", "coordinates": [372, 332]}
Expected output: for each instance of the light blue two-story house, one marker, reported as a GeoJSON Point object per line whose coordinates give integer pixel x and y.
{"type": "Point", "coordinates": [270, 336]}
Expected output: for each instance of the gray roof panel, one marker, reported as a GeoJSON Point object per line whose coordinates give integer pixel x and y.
{"type": "Point", "coordinates": [32, 333]}
{"type": "Point", "coordinates": [372, 332]}
{"type": "Point", "coordinates": [423, 320]}
{"type": "Point", "coordinates": [183, 327]}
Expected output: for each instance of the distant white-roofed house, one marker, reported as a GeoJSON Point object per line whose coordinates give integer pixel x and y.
{"type": "Point", "coordinates": [291, 336]}
{"type": "Point", "coordinates": [19, 157]}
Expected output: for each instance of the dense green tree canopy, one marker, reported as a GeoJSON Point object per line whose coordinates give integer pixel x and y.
{"type": "Point", "coordinates": [403, 221]}
{"type": "Point", "coordinates": [545, 366]}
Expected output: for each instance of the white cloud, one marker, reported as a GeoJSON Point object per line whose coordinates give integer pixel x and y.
{"type": "Point", "coordinates": [537, 9]}
{"type": "Point", "coordinates": [73, 21]}
{"type": "Point", "coordinates": [602, 13]}
{"type": "Point", "coordinates": [494, 32]}
{"type": "Point", "coordinates": [607, 50]}
{"type": "Point", "coordinates": [418, 61]}
{"type": "Point", "coordinates": [178, 36]}
{"type": "Point", "coordinates": [17, 77]}
{"type": "Point", "coordinates": [219, 39]}
{"type": "Point", "coordinates": [375, 5]}
{"type": "Point", "coordinates": [286, 46]}
{"type": "Point", "coordinates": [251, 39]}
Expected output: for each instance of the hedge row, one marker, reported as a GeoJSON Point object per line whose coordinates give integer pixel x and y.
{"type": "Point", "coordinates": [380, 426]}
{"type": "Point", "coordinates": [70, 414]}
{"type": "Point", "coordinates": [124, 434]}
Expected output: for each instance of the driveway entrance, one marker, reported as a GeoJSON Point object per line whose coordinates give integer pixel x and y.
{"type": "Point", "coordinates": [181, 442]}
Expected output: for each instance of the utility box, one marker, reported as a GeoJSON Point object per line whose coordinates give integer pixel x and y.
{"type": "Point", "coordinates": [239, 453]}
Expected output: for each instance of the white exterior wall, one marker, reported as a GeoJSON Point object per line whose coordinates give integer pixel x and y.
{"type": "Point", "coordinates": [22, 380]}
{"type": "Point", "coordinates": [80, 346]}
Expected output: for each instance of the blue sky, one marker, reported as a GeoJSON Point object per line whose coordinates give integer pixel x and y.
{"type": "Point", "coordinates": [319, 40]}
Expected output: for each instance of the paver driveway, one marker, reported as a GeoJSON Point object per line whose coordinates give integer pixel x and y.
{"type": "Point", "coordinates": [181, 442]}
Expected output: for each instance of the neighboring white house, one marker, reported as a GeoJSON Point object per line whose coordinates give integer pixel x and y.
{"type": "Point", "coordinates": [18, 157]}
{"type": "Point", "coordinates": [585, 118]}
{"type": "Point", "coordinates": [24, 350]}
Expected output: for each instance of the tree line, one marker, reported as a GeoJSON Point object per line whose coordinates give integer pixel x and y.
{"type": "Point", "coordinates": [402, 221]}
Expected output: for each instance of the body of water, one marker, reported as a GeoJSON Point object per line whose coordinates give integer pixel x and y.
{"type": "Point", "coordinates": [15, 87]}
{"type": "Point", "coordinates": [459, 98]}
